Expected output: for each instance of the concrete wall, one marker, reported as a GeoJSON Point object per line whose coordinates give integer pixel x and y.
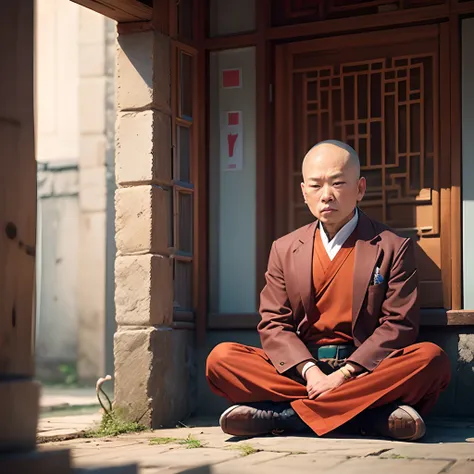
{"type": "Point", "coordinates": [97, 52]}
{"type": "Point", "coordinates": [468, 160]}
{"type": "Point", "coordinates": [233, 202]}
{"type": "Point", "coordinates": [57, 243]}
{"type": "Point", "coordinates": [75, 114]}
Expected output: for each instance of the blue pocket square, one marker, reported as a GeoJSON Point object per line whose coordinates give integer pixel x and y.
{"type": "Point", "coordinates": [378, 278]}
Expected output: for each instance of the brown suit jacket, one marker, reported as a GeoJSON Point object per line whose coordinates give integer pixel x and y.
{"type": "Point", "coordinates": [385, 316]}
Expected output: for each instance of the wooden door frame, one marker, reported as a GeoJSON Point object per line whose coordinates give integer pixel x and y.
{"type": "Point", "coordinates": [334, 46]}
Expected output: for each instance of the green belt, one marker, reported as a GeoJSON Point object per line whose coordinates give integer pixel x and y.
{"type": "Point", "coordinates": [333, 352]}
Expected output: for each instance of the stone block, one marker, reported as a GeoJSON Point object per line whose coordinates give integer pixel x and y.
{"type": "Point", "coordinates": [19, 409]}
{"type": "Point", "coordinates": [91, 295]}
{"type": "Point", "coordinates": [267, 462]}
{"type": "Point", "coordinates": [143, 148]}
{"type": "Point", "coordinates": [39, 462]}
{"type": "Point", "coordinates": [143, 220]}
{"type": "Point", "coordinates": [93, 150]}
{"type": "Point", "coordinates": [92, 105]}
{"type": "Point", "coordinates": [144, 290]}
{"type": "Point", "coordinates": [464, 377]}
{"type": "Point", "coordinates": [44, 183]}
{"type": "Point", "coordinates": [92, 27]}
{"type": "Point", "coordinates": [391, 466]}
{"type": "Point", "coordinates": [462, 467]}
{"type": "Point", "coordinates": [154, 375]}
{"type": "Point", "coordinates": [66, 182]}
{"type": "Point", "coordinates": [93, 189]}
{"type": "Point", "coordinates": [92, 59]}
{"type": "Point", "coordinates": [143, 71]}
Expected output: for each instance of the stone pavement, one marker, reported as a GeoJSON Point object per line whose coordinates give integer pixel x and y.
{"type": "Point", "coordinates": [204, 449]}
{"type": "Point", "coordinates": [60, 398]}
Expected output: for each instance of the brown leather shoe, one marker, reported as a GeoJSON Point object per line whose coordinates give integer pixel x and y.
{"type": "Point", "coordinates": [260, 419]}
{"type": "Point", "coordinates": [400, 422]}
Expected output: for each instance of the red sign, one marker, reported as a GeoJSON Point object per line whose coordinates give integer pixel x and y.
{"type": "Point", "coordinates": [231, 139]}
{"type": "Point", "coordinates": [233, 118]}
{"type": "Point", "coordinates": [231, 78]}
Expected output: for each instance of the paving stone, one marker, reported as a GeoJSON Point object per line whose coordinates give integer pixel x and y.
{"type": "Point", "coordinates": [182, 459]}
{"type": "Point", "coordinates": [346, 447]}
{"type": "Point", "coordinates": [300, 463]}
{"type": "Point", "coordinates": [214, 437]}
{"type": "Point", "coordinates": [139, 453]}
{"type": "Point", "coordinates": [250, 461]}
{"type": "Point", "coordinates": [66, 425]}
{"type": "Point", "coordinates": [460, 451]}
{"type": "Point", "coordinates": [389, 466]}
{"type": "Point", "coordinates": [462, 467]}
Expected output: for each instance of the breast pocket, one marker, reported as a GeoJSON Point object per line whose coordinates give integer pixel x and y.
{"type": "Point", "coordinates": [375, 298]}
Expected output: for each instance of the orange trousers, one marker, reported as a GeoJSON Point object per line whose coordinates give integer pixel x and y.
{"type": "Point", "coordinates": [414, 376]}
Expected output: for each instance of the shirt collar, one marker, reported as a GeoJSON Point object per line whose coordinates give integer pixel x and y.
{"type": "Point", "coordinates": [343, 233]}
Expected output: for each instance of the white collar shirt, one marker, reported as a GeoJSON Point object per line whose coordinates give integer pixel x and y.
{"type": "Point", "coordinates": [334, 245]}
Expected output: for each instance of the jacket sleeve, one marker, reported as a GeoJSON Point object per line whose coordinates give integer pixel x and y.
{"type": "Point", "coordinates": [277, 326]}
{"type": "Point", "coordinates": [400, 314]}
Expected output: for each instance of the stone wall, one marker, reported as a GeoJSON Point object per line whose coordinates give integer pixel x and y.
{"type": "Point", "coordinates": [75, 101]}
{"type": "Point", "coordinates": [96, 187]}
{"type": "Point", "coordinates": [56, 270]}
{"type": "Point", "coordinates": [154, 363]}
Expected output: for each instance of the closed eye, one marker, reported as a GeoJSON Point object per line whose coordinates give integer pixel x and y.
{"type": "Point", "coordinates": [339, 183]}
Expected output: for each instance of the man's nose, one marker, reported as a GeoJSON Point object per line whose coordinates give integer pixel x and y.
{"type": "Point", "coordinates": [326, 195]}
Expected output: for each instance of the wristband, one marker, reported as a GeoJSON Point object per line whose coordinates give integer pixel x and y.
{"type": "Point", "coordinates": [306, 367]}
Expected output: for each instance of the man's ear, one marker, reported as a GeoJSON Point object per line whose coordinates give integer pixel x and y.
{"type": "Point", "coordinates": [361, 188]}
{"type": "Point", "coordinates": [303, 191]}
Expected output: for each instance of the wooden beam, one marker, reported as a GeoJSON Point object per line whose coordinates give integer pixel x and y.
{"type": "Point", "coordinates": [456, 156]}
{"type": "Point", "coordinates": [130, 27]}
{"type": "Point", "coordinates": [346, 25]}
{"type": "Point", "coordinates": [119, 10]}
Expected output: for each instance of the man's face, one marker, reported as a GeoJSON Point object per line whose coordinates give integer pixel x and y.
{"type": "Point", "coordinates": [331, 185]}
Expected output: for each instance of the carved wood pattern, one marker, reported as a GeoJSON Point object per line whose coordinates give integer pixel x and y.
{"type": "Point", "coordinates": [385, 102]}
{"type": "Point", "coordinates": [386, 109]}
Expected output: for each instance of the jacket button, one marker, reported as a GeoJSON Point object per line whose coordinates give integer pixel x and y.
{"type": "Point", "coordinates": [282, 363]}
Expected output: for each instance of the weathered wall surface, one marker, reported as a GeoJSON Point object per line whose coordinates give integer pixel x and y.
{"type": "Point", "coordinates": [75, 97]}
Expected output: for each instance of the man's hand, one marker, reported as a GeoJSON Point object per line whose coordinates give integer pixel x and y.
{"type": "Point", "coordinates": [317, 383]}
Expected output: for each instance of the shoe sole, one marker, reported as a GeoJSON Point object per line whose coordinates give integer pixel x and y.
{"type": "Point", "coordinates": [223, 418]}
{"type": "Point", "coordinates": [420, 427]}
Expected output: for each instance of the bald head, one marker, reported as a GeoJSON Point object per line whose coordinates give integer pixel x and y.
{"type": "Point", "coordinates": [332, 185]}
{"type": "Point", "coordinates": [333, 149]}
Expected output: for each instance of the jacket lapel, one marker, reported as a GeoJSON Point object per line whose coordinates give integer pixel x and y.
{"type": "Point", "coordinates": [303, 255]}
{"type": "Point", "coordinates": [367, 252]}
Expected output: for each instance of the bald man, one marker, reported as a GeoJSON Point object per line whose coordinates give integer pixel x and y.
{"type": "Point", "coordinates": [339, 322]}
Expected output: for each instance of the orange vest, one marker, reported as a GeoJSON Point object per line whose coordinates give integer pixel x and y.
{"type": "Point", "coordinates": [333, 282]}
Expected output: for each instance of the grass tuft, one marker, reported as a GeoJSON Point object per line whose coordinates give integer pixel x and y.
{"type": "Point", "coordinates": [246, 449]}
{"type": "Point", "coordinates": [112, 424]}
{"type": "Point", "coordinates": [190, 442]}
{"type": "Point", "coordinates": [161, 441]}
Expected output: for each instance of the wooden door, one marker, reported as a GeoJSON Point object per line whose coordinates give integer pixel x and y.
{"type": "Point", "coordinates": [379, 92]}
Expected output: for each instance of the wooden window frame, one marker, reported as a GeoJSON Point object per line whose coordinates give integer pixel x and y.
{"type": "Point", "coordinates": [187, 319]}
